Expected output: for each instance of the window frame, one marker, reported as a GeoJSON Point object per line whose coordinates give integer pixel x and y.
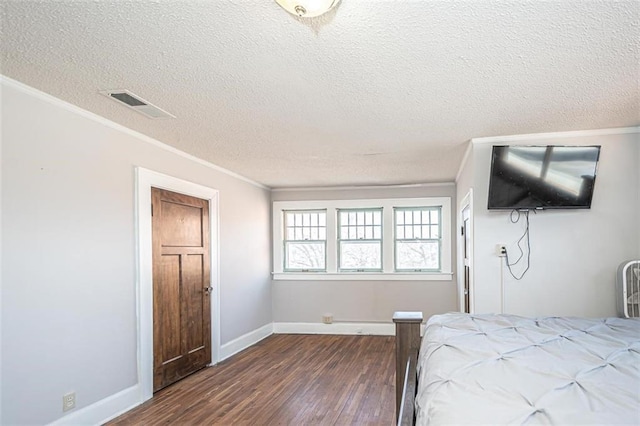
{"type": "Point", "coordinates": [388, 241]}
{"type": "Point", "coordinates": [285, 240]}
{"type": "Point", "coordinates": [396, 239]}
{"type": "Point", "coordinates": [361, 240]}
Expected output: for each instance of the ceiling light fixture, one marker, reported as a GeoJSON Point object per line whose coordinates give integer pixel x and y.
{"type": "Point", "coordinates": [307, 8]}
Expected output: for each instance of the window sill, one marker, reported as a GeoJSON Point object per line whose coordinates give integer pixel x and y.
{"type": "Point", "coordinates": [362, 276]}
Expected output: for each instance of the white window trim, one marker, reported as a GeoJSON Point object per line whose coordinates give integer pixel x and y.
{"type": "Point", "coordinates": [388, 248]}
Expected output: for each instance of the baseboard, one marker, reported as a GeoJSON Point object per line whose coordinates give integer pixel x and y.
{"type": "Point", "coordinates": [103, 410]}
{"type": "Point", "coordinates": [363, 328]}
{"type": "Point", "coordinates": [244, 341]}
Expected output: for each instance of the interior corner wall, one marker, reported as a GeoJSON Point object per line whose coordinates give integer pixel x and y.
{"type": "Point", "coordinates": [68, 253]}
{"type": "Point", "coordinates": [574, 253]}
{"type": "Point", "coordinates": [464, 181]}
{"type": "Point", "coordinates": [364, 301]}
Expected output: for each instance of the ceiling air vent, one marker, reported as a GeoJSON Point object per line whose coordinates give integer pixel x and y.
{"type": "Point", "coordinates": [136, 103]}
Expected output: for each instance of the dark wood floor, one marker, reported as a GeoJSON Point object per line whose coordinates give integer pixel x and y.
{"type": "Point", "coordinates": [284, 380]}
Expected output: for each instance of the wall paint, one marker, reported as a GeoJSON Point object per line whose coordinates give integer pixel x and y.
{"type": "Point", "coordinates": [363, 301]}
{"type": "Point", "coordinates": [574, 253]}
{"type": "Point", "coordinates": [68, 265]}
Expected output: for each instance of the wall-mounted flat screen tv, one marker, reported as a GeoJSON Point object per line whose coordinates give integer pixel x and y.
{"type": "Point", "coordinates": [542, 177]}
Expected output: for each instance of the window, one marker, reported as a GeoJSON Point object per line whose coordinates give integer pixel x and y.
{"type": "Point", "coordinates": [305, 240]}
{"type": "Point", "coordinates": [360, 239]}
{"type": "Point", "coordinates": [376, 239]}
{"type": "Point", "coordinates": [417, 238]}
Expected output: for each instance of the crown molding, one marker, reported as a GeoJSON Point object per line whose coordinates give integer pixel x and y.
{"type": "Point", "coordinates": [355, 187]}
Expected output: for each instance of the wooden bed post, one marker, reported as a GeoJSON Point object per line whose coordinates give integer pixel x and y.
{"type": "Point", "coordinates": [407, 340]}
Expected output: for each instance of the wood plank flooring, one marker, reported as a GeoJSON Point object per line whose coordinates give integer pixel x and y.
{"type": "Point", "coordinates": [284, 380]}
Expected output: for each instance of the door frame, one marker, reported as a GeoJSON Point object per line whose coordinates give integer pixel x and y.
{"type": "Point", "coordinates": [145, 179]}
{"type": "Point", "coordinates": [467, 202]}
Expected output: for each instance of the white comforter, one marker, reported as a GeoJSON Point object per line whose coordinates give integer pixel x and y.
{"type": "Point", "coordinates": [505, 369]}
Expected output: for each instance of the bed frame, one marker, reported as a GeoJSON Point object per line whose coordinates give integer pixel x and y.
{"type": "Point", "coordinates": [407, 347]}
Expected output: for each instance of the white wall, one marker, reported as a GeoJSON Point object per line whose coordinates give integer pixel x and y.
{"type": "Point", "coordinates": [574, 253]}
{"type": "Point", "coordinates": [363, 301]}
{"type": "Point", "coordinates": [68, 246]}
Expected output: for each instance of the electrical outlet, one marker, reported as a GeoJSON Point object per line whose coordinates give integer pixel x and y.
{"type": "Point", "coordinates": [327, 318]}
{"type": "Point", "coordinates": [69, 401]}
{"type": "Point", "coordinates": [501, 250]}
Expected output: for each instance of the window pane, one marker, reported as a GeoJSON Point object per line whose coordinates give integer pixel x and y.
{"type": "Point", "coordinates": [417, 216]}
{"type": "Point", "coordinates": [425, 232]}
{"type": "Point", "coordinates": [368, 232]}
{"type": "Point", "coordinates": [290, 234]}
{"type": "Point", "coordinates": [360, 218]}
{"type": "Point", "coordinates": [400, 217]}
{"type": "Point", "coordinates": [322, 219]}
{"type": "Point", "coordinates": [306, 233]}
{"type": "Point", "coordinates": [298, 234]}
{"type": "Point", "coordinates": [306, 219]}
{"type": "Point", "coordinates": [314, 219]}
{"type": "Point", "coordinates": [408, 218]}
{"type": "Point", "coordinates": [344, 233]}
{"type": "Point", "coordinates": [417, 255]}
{"type": "Point", "coordinates": [400, 232]}
{"type": "Point", "coordinates": [368, 217]}
{"type": "Point", "coordinates": [417, 231]}
{"type": "Point", "coordinates": [425, 216]}
{"type": "Point", "coordinates": [435, 231]}
{"type": "Point", "coordinates": [322, 233]}
{"type": "Point", "coordinates": [360, 232]}
{"type": "Point", "coordinates": [298, 219]}
{"type": "Point", "coordinates": [305, 256]}
{"type": "Point", "coordinates": [377, 233]}
{"type": "Point", "coordinates": [314, 233]}
{"type": "Point", "coordinates": [408, 232]}
{"type": "Point", "coordinates": [434, 216]}
{"type": "Point", "coordinates": [352, 233]}
{"type": "Point", "coordinates": [352, 218]}
{"type": "Point", "coordinates": [377, 217]}
{"type": "Point", "coordinates": [355, 255]}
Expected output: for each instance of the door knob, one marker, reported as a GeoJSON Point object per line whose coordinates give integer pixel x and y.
{"type": "Point", "coordinates": [208, 289]}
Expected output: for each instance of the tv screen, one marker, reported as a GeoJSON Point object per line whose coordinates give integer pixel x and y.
{"type": "Point", "coordinates": [542, 177]}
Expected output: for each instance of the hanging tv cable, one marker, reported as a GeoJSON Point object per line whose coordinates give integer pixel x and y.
{"type": "Point", "coordinates": [514, 217]}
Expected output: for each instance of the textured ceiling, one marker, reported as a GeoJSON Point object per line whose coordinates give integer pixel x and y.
{"type": "Point", "coordinates": [375, 92]}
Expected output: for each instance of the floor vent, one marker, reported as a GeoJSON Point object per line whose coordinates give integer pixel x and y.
{"type": "Point", "coordinates": [136, 103]}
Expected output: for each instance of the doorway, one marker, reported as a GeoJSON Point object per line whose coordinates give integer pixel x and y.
{"type": "Point", "coordinates": [466, 216]}
{"type": "Point", "coordinates": [145, 180]}
{"type": "Point", "coordinates": [465, 242]}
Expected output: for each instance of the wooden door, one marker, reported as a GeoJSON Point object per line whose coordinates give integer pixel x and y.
{"type": "Point", "coordinates": [181, 286]}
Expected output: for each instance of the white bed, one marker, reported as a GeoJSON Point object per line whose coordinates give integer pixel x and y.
{"type": "Point", "coordinates": [505, 369]}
